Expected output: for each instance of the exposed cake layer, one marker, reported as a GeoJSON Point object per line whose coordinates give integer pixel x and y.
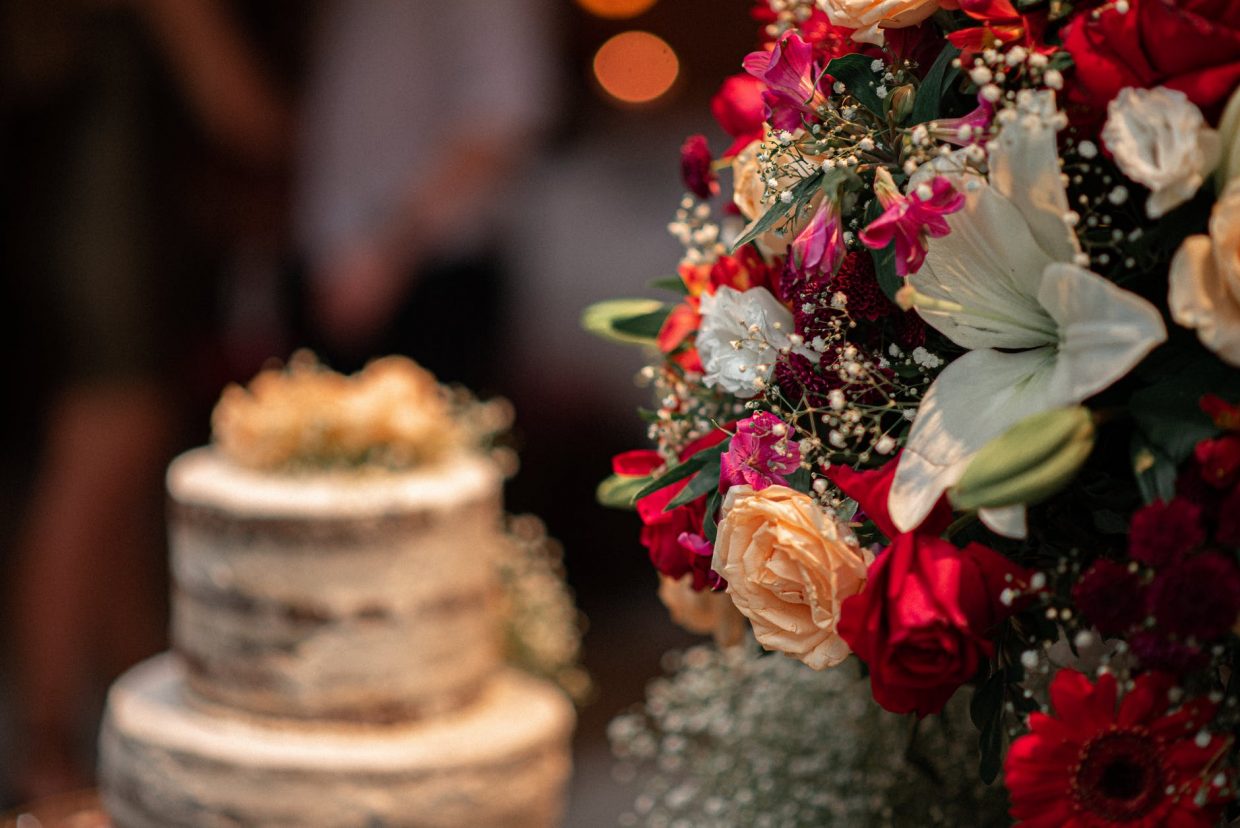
{"type": "Point", "coordinates": [502, 762]}
{"type": "Point", "coordinates": [356, 596]}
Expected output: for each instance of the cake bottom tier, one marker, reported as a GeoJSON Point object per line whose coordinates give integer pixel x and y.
{"type": "Point", "coordinates": [504, 761]}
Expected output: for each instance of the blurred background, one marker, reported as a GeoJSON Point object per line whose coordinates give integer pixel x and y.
{"type": "Point", "coordinates": [195, 187]}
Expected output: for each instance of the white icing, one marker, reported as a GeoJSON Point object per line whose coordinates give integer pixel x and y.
{"type": "Point", "coordinates": [501, 762]}
{"type": "Point", "coordinates": [204, 477]}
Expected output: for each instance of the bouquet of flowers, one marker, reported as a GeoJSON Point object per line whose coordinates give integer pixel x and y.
{"type": "Point", "coordinates": [949, 383]}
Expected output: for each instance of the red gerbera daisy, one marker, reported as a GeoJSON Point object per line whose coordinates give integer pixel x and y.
{"type": "Point", "coordinates": [1093, 766]}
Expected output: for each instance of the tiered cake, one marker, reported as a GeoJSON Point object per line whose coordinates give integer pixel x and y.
{"type": "Point", "coordinates": [337, 658]}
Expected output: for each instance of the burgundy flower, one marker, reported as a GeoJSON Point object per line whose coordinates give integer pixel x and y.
{"type": "Point", "coordinates": [1096, 764]}
{"type": "Point", "coordinates": [1163, 532]}
{"type": "Point", "coordinates": [1157, 652]}
{"type": "Point", "coordinates": [695, 169]}
{"type": "Point", "coordinates": [1110, 597]}
{"type": "Point", "coordinates": [857, 280]}
{"type": "Point", "coordinates": [1219, 460]}
{"type": "Point", "coordinates": [1198, 597]}
{"type": "Point", "coordinates": [1228, 530]}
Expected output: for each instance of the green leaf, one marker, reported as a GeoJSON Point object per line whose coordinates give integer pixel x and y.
{"type": "Point", "coordinates": [767, 221]}
{"type": "Point", "coordinates": [859, 79]}
{"type": "Point", "coordinates": [884, 260]}
{"type": "Point", "coordinates": [930, 93]}
{"type": "Point", "coordinates": [618, 491]}
{"type": "Point", "coordinates": [646, 326]}
{"type": "Point", "coordinates": [682, 470]}
{"type": "Point", "coordinates": [986, 710]}
{"type": "Point", "coordinates": [673, 283]}
{"type": "Point", "coordinates": [602, 318]}
{"type": "Point", "coordinates": [710, 526]}
{"type": "Point", "coordinates": [703, 482]}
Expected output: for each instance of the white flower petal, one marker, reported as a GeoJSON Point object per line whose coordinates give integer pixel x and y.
{"type": "Point", "coordinates": [740, 338]}
{"type": "Point", "coordinates": [991, 266]}
{"type": "Point", "coordinates": [1024, 167]}
{"type": "Point", "coordinates": [1008, 521]}
{"type": "Point", "coordinates": [1104, 330]}
{"type": "Point", "coordinates": [976, 398]}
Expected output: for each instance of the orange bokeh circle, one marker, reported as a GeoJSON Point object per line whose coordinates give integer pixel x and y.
{"type": "Point", "coordinates": [636, 67]}
{"type": "Point", "coordinates": [616, 9]}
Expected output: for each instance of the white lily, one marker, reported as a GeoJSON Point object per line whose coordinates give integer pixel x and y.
{"type": "Point", "coordinates": [1006, 278]}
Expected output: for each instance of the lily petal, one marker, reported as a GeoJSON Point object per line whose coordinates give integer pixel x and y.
{"type": "Point", "coordinates": [1104, 330]}
{"type": "Point", "coordinates": [1024, 168]}
{"type": "Point", "coordinates": [1008, 521]}
{"type": "Point", "coordinates": [976, 398]}
{"type": "Point", "coordinates": [990, 268]}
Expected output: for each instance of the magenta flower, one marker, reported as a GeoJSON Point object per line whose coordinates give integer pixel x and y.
{"type": "Point", "coordinates": [791, 79]}
{"type": "Point", "coordinates": [760, 454]}
{"type": "Point", "coordinates": [819, 248]}
{"type": "Point", "coordinates": [967, 129]}
{"type": "Point", "coordinates": [702, 552]}
{"type": "Point", "coordinates": [911, 220]}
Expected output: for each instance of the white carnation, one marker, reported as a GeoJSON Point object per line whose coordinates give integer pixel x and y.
{"type": "Point", "coordinates": [741, 336]}
{"type": "Point", "coordinates": [1160, 139]}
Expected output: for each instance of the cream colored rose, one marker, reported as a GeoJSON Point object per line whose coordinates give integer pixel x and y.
{"type": "Point", "coordinates": [870, 17]}
{"type": "Point", "coordinates": [1159, 138]}
{"type": "Point", "coordinates": [1205, 280]}
{"type": "Point", "coordinates": [789, 568]}
{"type": "Point", "coordinates": [751, 197]}
{"type": "Point", "coordinates": [703, 612]}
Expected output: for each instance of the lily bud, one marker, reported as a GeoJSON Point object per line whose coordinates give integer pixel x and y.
{"type": "Point", "coordinates": [900, 102]}
{"type": "Point", "coordinates": [1029, 462]}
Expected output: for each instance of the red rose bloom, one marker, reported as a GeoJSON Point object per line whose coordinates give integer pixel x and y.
{"type": "Point", "coordinates": [923, 623]}
{"type": "Point", "coordinates": [1164, 532]}
{"type": "Point", "coordinates": [1110, 597]}
{"type": "Point", "coordinates": [1189, 45]}
{"type": "Point", "coordinates": [1092, 766]}
{"type": "Point", "coordinates": [1199, 597]}
{"type": "Point", "coordinates": [739, 109]}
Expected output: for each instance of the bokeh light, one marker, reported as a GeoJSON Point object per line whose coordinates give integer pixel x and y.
{"type": "Point", "coordinates": [616, 9]}
{"type": "Point", "coordinates": [636, 67]}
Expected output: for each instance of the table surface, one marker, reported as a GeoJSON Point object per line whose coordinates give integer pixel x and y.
{"type": "Point", "coordinates": [80, 809]}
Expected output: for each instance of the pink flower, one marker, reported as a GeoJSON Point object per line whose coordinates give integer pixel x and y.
{"type": "Point", "coordinates": [911, 220]}
{"type": "Point", "coordinates": [760, 454]}
{"type": "Point", "coordinates": [791, 79]}
{"type": "Point", "coordinates": [819, 248]}
{"type": "Point", "coordinates": [967, 129]}
{"type": "Point", "coordinates": [695, 169]}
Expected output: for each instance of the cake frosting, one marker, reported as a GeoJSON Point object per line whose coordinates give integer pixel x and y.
{"type": "Point", "coordinates": [336, 626]}
{"type": "Point", "coordinates": [501, 762]}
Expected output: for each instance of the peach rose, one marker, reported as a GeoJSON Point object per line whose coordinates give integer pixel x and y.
{"type": "Point", "coordinates": [704, 612]}
{"type": "Point", "coordinates": [749, 194]}
{"type": "Point", "coordinates": [789, 568]}
{"type": "Point", "coordinates": [1205, 280]}
{"type": "Point", "coordinates": [870, 17]}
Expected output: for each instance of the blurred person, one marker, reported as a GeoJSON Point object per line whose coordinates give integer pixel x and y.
{"type": "Point", "coordinates": [108, 101]}
{"type": "Point", "coordinates": [416, 117]}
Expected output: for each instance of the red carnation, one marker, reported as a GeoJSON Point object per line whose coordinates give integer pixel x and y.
{"type": "Point", "coordinates": [1091, 765]}
{"type": "Point", "coordinates": [695, 169]}
{"type": "Point", "coordinates": [1198, 597]}
{"type": "Point", "coordinates": [1219, 460]}
{"type": "Point", "coordinates": [1163, 532]}
{"type": "Point", "coordinates": [1110, 597]}
{"type": "Point", "coordinates": [1189, 45]}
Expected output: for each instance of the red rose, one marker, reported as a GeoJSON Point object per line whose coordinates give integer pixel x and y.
{"type": "Point", "coordinates": [1189, 45]}
{"type": "Point", "coordinates": [739, 109]}
{"type": "Point", "coordinates": [923, 623]}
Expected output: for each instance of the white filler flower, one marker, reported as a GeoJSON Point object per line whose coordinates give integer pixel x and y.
{"type": "Point", "coordinates": [1005, 278]}
{"type": "Point", "coordinates": [1160, 139]}
{"type": "Point", "coordinates": [741, 336]}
